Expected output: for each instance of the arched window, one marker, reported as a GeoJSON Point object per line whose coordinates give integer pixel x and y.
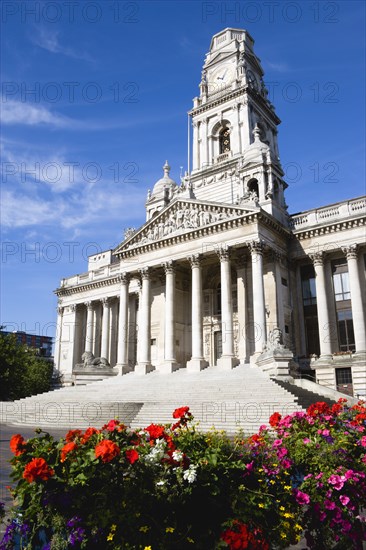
{"type": "Point", "coordinates": [253, 187]}
{"type": "Point", "coordinates": [224, 140]}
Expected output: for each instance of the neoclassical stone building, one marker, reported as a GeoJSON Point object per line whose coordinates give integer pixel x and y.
{"type": "Point", "coordinates": [220, 273]}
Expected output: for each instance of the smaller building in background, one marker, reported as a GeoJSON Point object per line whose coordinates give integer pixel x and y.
{"type": "Point", "coordinates": [42, 344]}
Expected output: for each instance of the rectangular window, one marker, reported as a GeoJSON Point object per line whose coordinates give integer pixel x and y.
{"type": "Point", "coordinates": [284, 281]}
{"type": "Point", "coordinates": [344, 376]}
{"type": "Point", "coordinates": [341, 287]}
{"type": "Point", "coordinates": [345, 330]}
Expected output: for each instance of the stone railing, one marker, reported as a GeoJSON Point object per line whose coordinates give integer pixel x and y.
{"type": "Point", "coordinates": [223, 156]}
{"type": "Point", "coordinates": [82, 278]}
{"type": "Point", "coordinates": [336, 212]}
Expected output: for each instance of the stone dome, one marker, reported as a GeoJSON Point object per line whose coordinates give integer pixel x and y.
{"type": "Point", "coordinates": [164, 183]}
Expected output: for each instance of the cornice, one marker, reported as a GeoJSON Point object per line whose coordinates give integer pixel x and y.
{"type": "Point", "coordinates": [329, 227]}
{"type": "Point", "coordinates": [232, 95]}
{"type": "Point", "coordinates": [84, 287]}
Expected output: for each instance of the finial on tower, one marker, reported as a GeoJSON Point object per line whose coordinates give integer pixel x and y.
{"type": "Point", "coordinates": [256, 133]}
{"type": "Point", "coordinates": [166, 168]}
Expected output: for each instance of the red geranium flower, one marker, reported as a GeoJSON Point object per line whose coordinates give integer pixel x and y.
{"type": "Point", "coordinates": [37, 469]}
{"type": "Point", "coordinates": [17, 444]}
{"type": "Point", "coordinates": [72, 435]}
{"type": "Point", "coordinates": [241, 538]}
{"type": "Point", "coordinates": [318, 408]}
{"type": "Point", "coordinates": [155, 431]}
{"type": "Point", "coordinates": [66, 449]}
{"type": "Point", "coordinates": [132, 455]}
{"type": "Point", "coordinates": [107, 450]}
{"type": "Point", "coordinates": [178, 413]}
{"type": "Point", "coordinates": [113, 425]}
{"type": "Point", "coordinates": [88, 433]}
{"type": "Point", "coordinates": [274, 419]}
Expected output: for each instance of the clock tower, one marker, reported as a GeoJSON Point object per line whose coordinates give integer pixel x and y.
{"type": "Point", "coordinates": [235, 155]}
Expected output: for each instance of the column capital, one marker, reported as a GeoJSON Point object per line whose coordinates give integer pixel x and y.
{"type": "Point", "coordinates": [169, 267]}
{"type": "Point", "coordinates": [73, 307]}
{"type": "Point", "coordinates": [124, 278]}
{"type": "Point", "coordinates": [317, 257]}
{"type": "Point", "coordinates": [89, 304]}
{"type": "Point", "coordinates": [256, 247]}
{"type": "Point", "coordinates": [60, 310]}
{"type": "Point", "coordinates": [106, 302]}
{"type": "Point", "coordinates": [195, 260]}
{"type": "Point", "coordinates": [350, 251]}
{"type": "Point", "coordinates": [277, 256]}
{"type": "Point", "coordinates": [145, 273]}
{"type": "Point", "coordinates": [223, 253]}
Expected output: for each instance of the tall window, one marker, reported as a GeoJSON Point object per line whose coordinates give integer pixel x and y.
{"type": "Point", "coordinates": [224, 140]}
{"type": "Point", "coordinates": [310, 309]}
{"type": "Point", "coordinates": [342, 296]}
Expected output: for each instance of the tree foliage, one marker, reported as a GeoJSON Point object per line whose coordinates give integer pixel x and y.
{"type": "Point", "coordinates": [22, 372]}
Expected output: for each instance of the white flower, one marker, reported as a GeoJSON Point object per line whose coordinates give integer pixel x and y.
{"type": "Point", "coordinates": [157, 452]}
{"type": "Point", "coordinates": [177, 456]}
{"type": "Point", "coordinates": [160, 483]}
{"type": "Point", "coordinates": [190, 474]}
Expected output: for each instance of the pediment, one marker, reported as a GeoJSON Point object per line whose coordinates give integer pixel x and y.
{"type": "Point", "coordinates": [184, 216]}
{"type": "Point", "coordinates": [220, 56]}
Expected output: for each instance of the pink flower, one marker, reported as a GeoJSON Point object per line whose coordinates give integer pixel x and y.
{"type": "Point", "coordinates": [277, 442]}
{"type": "Point", "coordinates": [322, 516]}
{"type": "Point", "coordinates": [329, 504]}
{"type": "Point", "coordinates": [319, 476]}
{"type": "Point", "coordinates": [363, 441]}
{"type": "Point", "coordinates": [301, 498]}
{"type": "Point", "coordinates": [286, 463]}
{"type": "Point", "coordinates": [336, 481]}
{"type": "Point", "coordinates": [306, 440]}
{"type": "Point", "coordinates": [344, 499]}
{"type": "Point", "coordinates": [308, 476]}
{"type": "Point", "coordinates": [282, 452]}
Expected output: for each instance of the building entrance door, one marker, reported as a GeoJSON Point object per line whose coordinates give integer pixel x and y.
{"type": "Point", "coordinates": [217, 346]}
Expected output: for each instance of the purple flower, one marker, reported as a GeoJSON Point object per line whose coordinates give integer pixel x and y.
{"type": "Point", "coordinates": [344, 499]}
{"type": "Point", "coordinates": [329, 504]}
{"type": "Point", "coordinates": [336, 481]}
{"type": "Point", "coordinates": [301, 498]}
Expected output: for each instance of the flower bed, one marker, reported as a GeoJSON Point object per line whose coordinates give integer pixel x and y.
{"type": "Point", "coordinates": [174, 487]}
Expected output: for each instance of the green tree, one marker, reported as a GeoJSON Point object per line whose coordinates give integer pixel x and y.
{"type": "Point", "coordinates": [22, 372]}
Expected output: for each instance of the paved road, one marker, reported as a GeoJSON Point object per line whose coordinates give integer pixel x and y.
{"type": "Point", "coordinates": [6, 432]}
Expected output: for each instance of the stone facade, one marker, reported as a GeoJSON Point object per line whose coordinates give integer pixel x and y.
{"type": "Point", "coordinates": [220, 273]}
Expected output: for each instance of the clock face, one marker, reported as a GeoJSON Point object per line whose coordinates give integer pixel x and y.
{"type": "Point", "coordinates": [252, 81]}
{"type": "Point", "coordinates": [220, 77]}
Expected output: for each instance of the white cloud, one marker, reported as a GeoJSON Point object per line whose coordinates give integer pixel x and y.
{"type": "Point", "coordinates": [278, 67]}
{"type": "Point", "coordinates": [48, 40]}
{"type": "Point", "coordinates": [17, 112]}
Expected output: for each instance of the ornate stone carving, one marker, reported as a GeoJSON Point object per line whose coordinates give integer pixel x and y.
{"type": "Point", "coordinates": [124, 278]}
{"type": "Point", "coordinates": [350, 251]}
{"type": "Point", "coordinates": [72, 307]}
{"type": "Point", "coordinates": [195, 260]}
{"type": "Point", "coordinates": [129, 231]}
{"type": "Point", "coordinates": [256, 247]}
{"type": "Point", "coordinates": [145, 273]}
{"type": "Point", "coordinates": [223, 253]}
{"type": "Point", "coordinates": [106, 302]}
{"type": "Point", "coordinates": [317, 257]}
{"type": "Point", "coordinates": [250, 197]}
{"type": "Point", "coordinates": [92, 363]}
{"type": "Point", "coordinates": [275, 340]}
{"type": "Point", "coordinates": [169, 267]}
{"type": "Point", "coordinates": [88, 305]}
{"type": "Point", "coordinates": [184, 218]}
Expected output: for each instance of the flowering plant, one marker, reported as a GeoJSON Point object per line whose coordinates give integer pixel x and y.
{"type": "Point", "coordinates": [172, 486]}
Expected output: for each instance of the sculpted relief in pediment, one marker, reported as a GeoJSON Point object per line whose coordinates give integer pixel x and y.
{"type": "Point", "coordinates": [184, 217]}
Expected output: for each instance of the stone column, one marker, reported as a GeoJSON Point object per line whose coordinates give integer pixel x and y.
{"type": "Point", "coordinates": [205, 155]}
{"type": "Point", "coordinates": [144, 329]}
{"type": "Point", "coordinates": [358, 313]}
{"type": "Point", "coordinates": [122, 350]}
{"type": "Point", "coordinates": [89, 336]}
{"type": "Point", "coordinates": [277, 258]}
{"type": "Point", "coordinates": [322, 306]}
{"type": "Point", "coordinates": [197, 361]}
{"type": "Point", "coordinates": [58, 337]}
{"type": "Point", "coordinates": [259, 312]}
{"type": "Point", "coordinates": [170, 362]}
{"type": "Point", "coordinates": [242, 307]}
{"type": "Point", "coordinates": [238, 107]}
{"type": "Point", "coordinates": [227, 360]}
{"type": "Point", "coordinates": [104, 352]}
{"type": "Point", "coordinates": [196, 155]}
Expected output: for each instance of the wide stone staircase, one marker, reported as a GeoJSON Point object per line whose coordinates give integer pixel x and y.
{"type": "Point", "coordinates": [242, 398]}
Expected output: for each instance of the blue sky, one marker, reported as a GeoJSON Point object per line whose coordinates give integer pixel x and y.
{"type": "Point", "coordinates": [95, 98]}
